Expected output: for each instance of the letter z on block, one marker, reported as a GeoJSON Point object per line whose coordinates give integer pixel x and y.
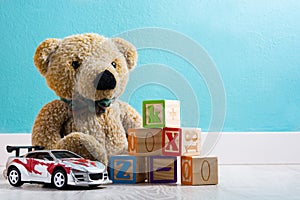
{"type": "Point", "coordinates": [127, 169]}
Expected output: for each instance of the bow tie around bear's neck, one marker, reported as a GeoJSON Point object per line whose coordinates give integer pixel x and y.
{"type": "Point", "coordinates": [80, 105]}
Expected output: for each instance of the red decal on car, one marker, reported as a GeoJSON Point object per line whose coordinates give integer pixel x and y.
{"type": "Point", "coordinates": [93, 163]}
{"type": "Point", "coordinates": [81, 161]}
{"type": "Point", "coordinates": [31, 163]}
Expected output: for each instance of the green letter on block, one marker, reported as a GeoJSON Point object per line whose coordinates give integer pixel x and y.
{"type": "Point", "coordinates": [153, 114]}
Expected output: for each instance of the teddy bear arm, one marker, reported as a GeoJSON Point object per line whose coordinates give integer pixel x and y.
{"type": "Point", "coordinates": [48, 124]}
{"type": "Point", "coordinates": [84, 145]}
{"type": "Point", "coordinates": [130, 117]}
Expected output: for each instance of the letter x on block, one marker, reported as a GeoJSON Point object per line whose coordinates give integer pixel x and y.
{"type": "Point", "coordinates": [172, 141]}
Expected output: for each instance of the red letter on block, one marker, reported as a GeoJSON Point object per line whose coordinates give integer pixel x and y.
{"type": "Point", "coordinates": [171, 141]}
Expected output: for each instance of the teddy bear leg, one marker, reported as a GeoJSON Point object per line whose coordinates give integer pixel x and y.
{"type": "Point", "coordinates": [85, 145]}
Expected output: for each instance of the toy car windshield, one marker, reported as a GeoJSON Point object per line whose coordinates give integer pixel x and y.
{"type": "Point", "coordinates": [65, 154]}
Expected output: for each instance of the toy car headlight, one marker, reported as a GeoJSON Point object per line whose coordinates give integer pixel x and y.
{"type": "Point", "coordinates": [100, 165]}
{"type": "Point", "coordinates": [78, 170]}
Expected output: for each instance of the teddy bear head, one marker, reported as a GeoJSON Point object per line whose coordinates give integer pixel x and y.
{"type": "Point", "coordinates": [89, 65]}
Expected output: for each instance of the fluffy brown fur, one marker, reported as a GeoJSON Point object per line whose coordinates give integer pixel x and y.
{"type": "Point", "coordinates": [80, 127]}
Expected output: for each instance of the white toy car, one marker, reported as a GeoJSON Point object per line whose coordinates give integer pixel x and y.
{"type": "Point", "coordinates": [58, 167]}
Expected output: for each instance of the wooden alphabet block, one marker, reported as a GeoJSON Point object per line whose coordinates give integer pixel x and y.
{"type": "Point", "coordinates": [191, 141]}
{"type": "Point", "coordinates": [181, 141]}
{"type": "Point", "coordinates": [162, 169]}
{"type": "Point", "coordinates": [161, 113]}
{"type": "Point", "coordinates": [196, 170]}
{"type": "Point", "coordinates": [145, 142]}
{"type": "Point", "coordinates": [166, 141]}
{"type": "Point", "coordinates": [127, 169]}
{"type": "Point", "coordinates": [171, 141]}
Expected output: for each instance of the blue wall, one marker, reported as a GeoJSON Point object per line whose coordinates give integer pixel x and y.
{"type": "Point", "coordinates": [254, 44]}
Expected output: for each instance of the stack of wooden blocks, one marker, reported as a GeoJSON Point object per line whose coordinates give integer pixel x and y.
{"type": "Point", "coordinates": [154, 149]}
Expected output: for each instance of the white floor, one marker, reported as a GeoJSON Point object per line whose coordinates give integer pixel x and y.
{"type": "Point", "coordinates": [259, 182]}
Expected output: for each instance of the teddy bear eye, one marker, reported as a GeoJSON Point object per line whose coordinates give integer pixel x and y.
{"type": "Point", "coordinates": [75, 64]}
{"type": "Point", "coordinates": [114, 64]}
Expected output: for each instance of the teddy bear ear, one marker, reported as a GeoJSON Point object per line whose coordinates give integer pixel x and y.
{"type": "Point", "coordinates": [42, 53]}
{"type": "Point", "coordinates": [128, 50]}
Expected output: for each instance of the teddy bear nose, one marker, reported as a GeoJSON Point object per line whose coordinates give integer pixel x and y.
{"type": "Point", "coordinates": [105, 81]}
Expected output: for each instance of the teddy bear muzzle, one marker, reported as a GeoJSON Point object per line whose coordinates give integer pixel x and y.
{"type": "Point", "coordinates": [105, 81]}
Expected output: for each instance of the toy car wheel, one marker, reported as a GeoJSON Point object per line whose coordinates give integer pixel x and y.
{"type": "Point", "coordinates": [14, 177]}
{"type": "Point", "coordinates": [59, 179]}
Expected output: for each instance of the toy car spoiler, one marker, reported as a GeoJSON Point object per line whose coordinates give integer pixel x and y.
{"type": "Point", "coordinates": [10, 149]}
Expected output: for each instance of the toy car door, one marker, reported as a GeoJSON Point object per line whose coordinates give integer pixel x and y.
{"type": "Point", "coordinates": [38, 164]}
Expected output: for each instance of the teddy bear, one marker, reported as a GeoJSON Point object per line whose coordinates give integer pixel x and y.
{"type": "Point", "coordinates": [88, 72]}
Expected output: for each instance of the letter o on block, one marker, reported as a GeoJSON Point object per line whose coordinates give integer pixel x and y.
{"type": "Point", "coordinates": [144, 141]}
{"type": "Point", "coordinates": [149, 142]}
{"type": "Point", "coordinates": [205, 170]}
{"type": "Point", "coordinates": [196, 170]}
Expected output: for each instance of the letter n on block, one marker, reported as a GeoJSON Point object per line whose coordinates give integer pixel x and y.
{"type": "Point", "coordinates": [196, 170]}
{"type": "Point", "coordinates": [163, 169]}
{"type": "Point", "coordinates": [127, 169]}
{"type": "Point", "coordinates": [172, 141]}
